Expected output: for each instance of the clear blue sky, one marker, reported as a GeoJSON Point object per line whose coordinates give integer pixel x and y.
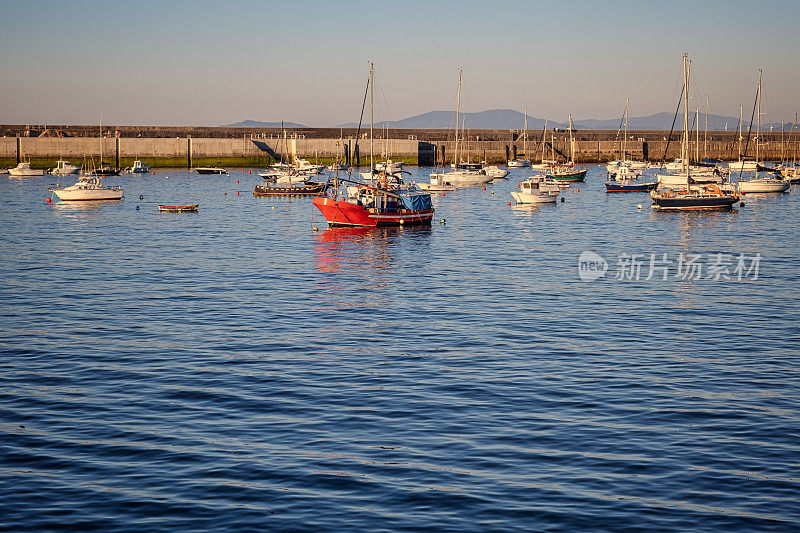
{"type": "Point", "coordinates": [210, 63]}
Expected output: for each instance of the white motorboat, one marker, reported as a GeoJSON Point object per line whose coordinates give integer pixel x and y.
{"type": "Point", "coordinates": [24, 170]}
{"type": "Point", "coordinates": [88, 187]}
{"type": "Point", "coordinates": [536, 190]}
{"type": "Point", "coordinates": [139, 167]}
{"type": "Point", "coordinates": [64, 168]}
{"type": "Point", "coordinates": [437, 184]}
{"type": "Point", "coordinates": [519, 163]}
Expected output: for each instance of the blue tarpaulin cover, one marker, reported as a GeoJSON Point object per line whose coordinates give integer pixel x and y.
{"type": "Point", "coordinates": [418, 202]}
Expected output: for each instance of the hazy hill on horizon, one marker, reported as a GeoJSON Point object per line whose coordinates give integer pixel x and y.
{"type": "Point", "coordinates": [509, 119]}
{"type": "Point", "coordinates": [259, 124]}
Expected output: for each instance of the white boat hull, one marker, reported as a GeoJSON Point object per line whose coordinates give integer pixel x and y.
{"type": "Point", "coordinates": [763, 185]}
{"type": "Point", "coordinates": [519, 163]}
{"type": "Point", "coordinates": [463, 179]}
{"type": "Point", "coordinates": [88, 194]}
{"type": "Point", "coordinates": [25, 173]}
{"type": "Point", "coordinates": [540, 198]}
{"type": "Point", "coordinates": [744, 166]}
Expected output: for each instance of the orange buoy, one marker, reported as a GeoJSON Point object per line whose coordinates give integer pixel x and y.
{"type": "Point", "coordinates": [237, 181]}
{"type": "Point", "coordinates": [509, 203]}
{"type": "Point", "coordinates": [484, 188]}
{"type": "Point", "coordinates": [577, 190]}
{"type": "Point", "coordinates": [237, 193]}
{"type": "Point", "coordinates": [154, 173]}
{"type": "Point", "coordinates": [47, 200]}
{"type": "Point", "coordinates": [249, 171]}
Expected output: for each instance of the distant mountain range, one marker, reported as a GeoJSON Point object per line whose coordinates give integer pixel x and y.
{"type": "Point", "coordinates": [508, 119]}
{"type": "Point", "coordinates": [258, 124]}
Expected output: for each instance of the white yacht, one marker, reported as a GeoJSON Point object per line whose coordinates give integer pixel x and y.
{"type": "Point", "coordinates": [24, 170]}
{"type": "Point", "coordinates": [88, 187]}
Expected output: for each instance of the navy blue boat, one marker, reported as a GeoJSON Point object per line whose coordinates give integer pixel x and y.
{"type": "Point", "coordinates": [616, 186]}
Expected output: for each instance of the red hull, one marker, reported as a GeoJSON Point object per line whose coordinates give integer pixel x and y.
{"type": "Point", "coordinates": [341, 213]}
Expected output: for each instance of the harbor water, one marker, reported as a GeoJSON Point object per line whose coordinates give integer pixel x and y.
{"type": "Point", "coordinates": [234, 370]}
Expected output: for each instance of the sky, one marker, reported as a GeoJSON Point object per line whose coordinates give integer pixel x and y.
{"type": "Point", "coordinates": [209, 63]}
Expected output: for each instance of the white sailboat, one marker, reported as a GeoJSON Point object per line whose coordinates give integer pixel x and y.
{"type": "Point", "coordinates": [522, 163]}
{"type": "Point", "coordinates": [461, 177]}
{"type": "Point", "coordinates": [764, 183]}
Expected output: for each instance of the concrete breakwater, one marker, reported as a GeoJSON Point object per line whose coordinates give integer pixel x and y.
{"type": "Point", "coordinates": [261, 149]}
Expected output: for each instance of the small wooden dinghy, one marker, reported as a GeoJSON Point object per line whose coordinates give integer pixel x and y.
{"type": "Point", "coordinates": [308, 188]}
{"type": "Point", "coordinates": [189, 208]}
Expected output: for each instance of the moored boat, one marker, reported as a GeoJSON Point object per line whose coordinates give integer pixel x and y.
{"type": "Point", "coordinates": [210, 170]}
{"type": "Point", "coordinates": [288, 189]}
{"type": "Point", "coordinates": [186, 208]}
{"type": "Point", "coordinates": [386, 201]}
{"type": "Point", "coordinates": [64, 168]}
{"type": "Point", "coordinates": [139, 167]}
{"type": "Point", "coordinates": [24, 170]}
{"type": "Point", "coordinates": [627, 180]}
{"type": "Point", "coordinates": [691, 195]}
{"type": "Point", "coordinates": [536, 190]}
{"type": "Point", "coordinates": [88, 187]}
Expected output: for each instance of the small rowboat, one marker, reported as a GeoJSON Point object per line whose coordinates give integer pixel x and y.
{"type": "Point", "coordinates": [308, 188]}
{"type": "Point", "coordinates": [190, 208]}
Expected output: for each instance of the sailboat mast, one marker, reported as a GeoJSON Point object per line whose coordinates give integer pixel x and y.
{"type": "Point", "coordinates": [685, 143]}
{"type": "Point", "coordinates": [781, 142]}
{"type": "Point", "coordinates": [625, 139]}
{"type": "Point", "coordinates": [101, 140]}
{"type": "Point", "coordinates": [544, 138]}
{"type": "Point", "coordinates": [697, 136]}
{"type": "Point", "coordinates": [740, 133]}
{"type": "Point", "coordinates": [705, 135]}
{"type": "Point", "coordinates": [758, 119]}
{"type": "Point", "coordinates": [525, 135]}
{"type": "Point", "coordinates": [795, 142]}
{"type": "Point", "coordinates": [371, 147]}
{"type": "Point", "coordinates": [458, 115]}
{"type": "Point", "coordinates": [571, 142]}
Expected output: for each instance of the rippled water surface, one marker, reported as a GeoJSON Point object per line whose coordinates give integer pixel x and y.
{"type": "Point", "coordinates": [233, 370]}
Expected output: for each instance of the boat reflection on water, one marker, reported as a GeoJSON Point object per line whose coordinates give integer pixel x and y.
{"type": "Point", "coordinates": [531, 209]}
{"type": "Point", "coordinates": [81, 209]}
{"type": "Point", "coordinates": [363, 262]}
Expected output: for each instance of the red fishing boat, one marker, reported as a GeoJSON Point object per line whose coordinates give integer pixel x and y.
{"type": "Point", "coordinates": [360, 204]}
{"type": "Point", "coordinates": [385, 200]}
